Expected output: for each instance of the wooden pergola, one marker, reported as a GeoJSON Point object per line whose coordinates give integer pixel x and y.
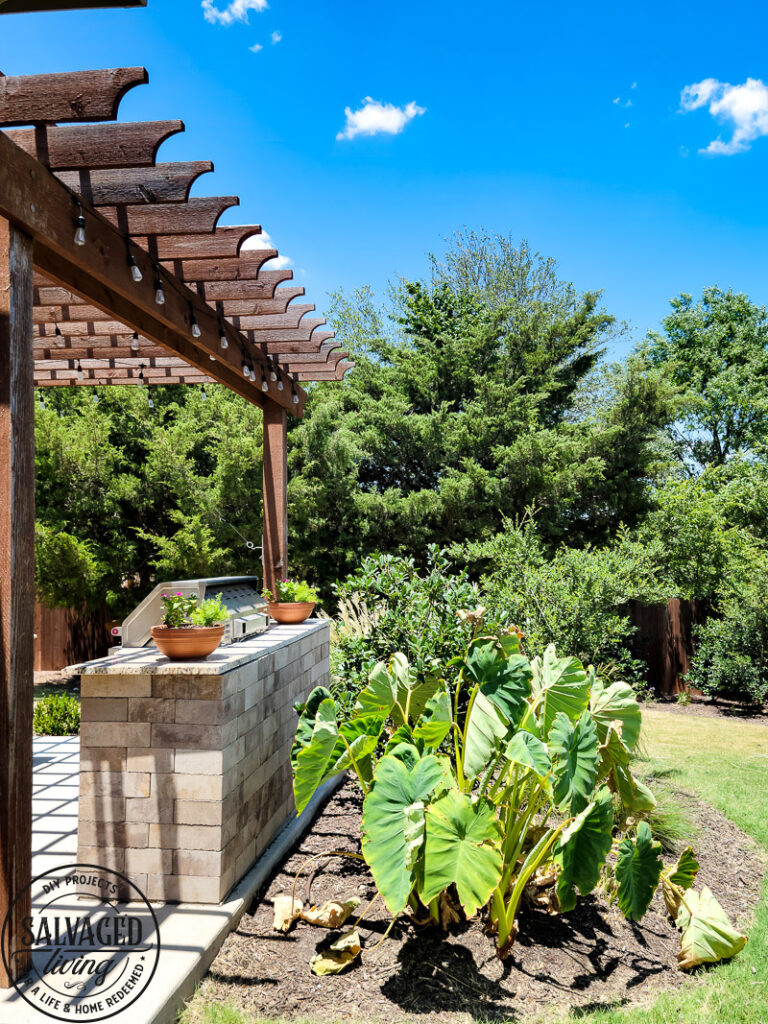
{"type": "Point", "coordinates": [111, 274]}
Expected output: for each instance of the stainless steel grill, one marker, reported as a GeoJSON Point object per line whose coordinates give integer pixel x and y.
{"type": "Point", "coordinates": [240, 595]}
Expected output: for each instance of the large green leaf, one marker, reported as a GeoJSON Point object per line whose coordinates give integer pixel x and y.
{"type": "Point", "coordinates": [573, 749]}
{"type": "Point", "coordinates": [307, 713]}
{"type": "Point", "coordinates": [392, 811]}
{"type": "Point", "coordinates": [485, 730]}
{"type": "Point", "coordinates": [615, 758]}
{"type": "Point", "coordinates": [559, 685]}
{"type": "Point", "coordinates": [524, 749]}
{"type": "Point", "coordinates": [676, 879]}
{"type": "Point", "coordinates": [504, 679]}
{"type": "Point", "coordinates": [638, 869]}
{"type": "Point", "coordinates": [436, 720]}
{"type": "Point", "coordinates": [312, 760]}
{"type": "Point", "coordinates": [581, 850]}
{"type": "Point", "coordinates": [358, 739]}
{"type": "Point", "coordinates": [616, 703]}
{"type": "Point", "coordinates": [379, 696]}
{"type": "Point", "coordinates": [708, 935]}
{"type": "Point", "coordinates": [685, 870]}
{"type": "Point", "coordinates": [462, 848]}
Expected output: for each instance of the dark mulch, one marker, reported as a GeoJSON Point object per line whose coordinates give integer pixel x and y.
{"type": "Point", "coordinates": [706, 708]}
{"type": "Point", "coordinates": [589, 957]}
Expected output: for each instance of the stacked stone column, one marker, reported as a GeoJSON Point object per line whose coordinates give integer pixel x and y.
{"type": "Point", "coordinates": [185, 772]}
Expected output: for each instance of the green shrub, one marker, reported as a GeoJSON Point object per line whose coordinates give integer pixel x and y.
{"type": "Point", "coordinates": [57, 715]}
{"type": "Point", "coordinates": [390, 605]}
{"type": "Point", "coordinates": [572, 599]}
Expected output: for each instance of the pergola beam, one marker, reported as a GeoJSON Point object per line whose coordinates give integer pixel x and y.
{"type": "Point", "coordinates": [98, 272]}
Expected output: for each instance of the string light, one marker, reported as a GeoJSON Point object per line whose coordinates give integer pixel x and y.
{"type": "Point", "coordinates": [135, 342]}
{"type": "Point", "coordinates": [294, 396]}
{"type": "Point", "coordinates": [272, 372]}
{"type": "Point", "coordinates": [280, 385]}
{"type": "Point", "coordinates": [79, 369]}
{"type": "Point", "coordinates": [264, 384]}
{"type": "Point", "coordinates": [80, 225]}
{"type": "Point", "coordinates": [136, 273]}
{"type": "Point", "coordinates": [203, 393]}
{"type": "Point", "coordinates": [95, 398]}
{"type": "Point", "coordinates": [57, 332]}
{"type": "Point", "coordinates": [42, 401]}
{"type": "Point", "coordinates": [159, 293]}
{"type": "Point", "coordinates": [246, 368]}
{"type": "Point", "coordinates": [150, 403]}
{"type": "Point", "coordinates": [223, 343]}
{"type": "Point", "coordinates": [195, 328]}
{"type": "Point", "coordinates": [141, 374]}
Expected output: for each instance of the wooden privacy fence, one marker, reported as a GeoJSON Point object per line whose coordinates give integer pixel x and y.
{"type": "Point", "coordinates": [65, 637]}
{"type": "Point", "coordinates": [664, 640]}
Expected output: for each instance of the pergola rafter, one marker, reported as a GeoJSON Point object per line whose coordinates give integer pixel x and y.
{"type": "Point", "coordinates": [110, 170]}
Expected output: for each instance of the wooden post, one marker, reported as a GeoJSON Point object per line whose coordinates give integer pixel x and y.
{"type": "Point", "coordinates": [275, 551]}
{"type": "Point", "coordinates": [17, 581]}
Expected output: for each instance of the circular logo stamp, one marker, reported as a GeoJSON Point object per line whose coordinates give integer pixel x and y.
{"type": "Point", "coordinates": [90, 939]}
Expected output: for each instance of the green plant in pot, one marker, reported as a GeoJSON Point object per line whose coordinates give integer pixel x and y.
{"type": "Point", "coordinates": [190, 628]}
{"type": "Point", "coordinates": [293, 600]}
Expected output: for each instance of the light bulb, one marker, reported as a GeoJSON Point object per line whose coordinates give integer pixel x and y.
{"type": "Point", "coordinates": [136, 273]}
{"type": "Point", "coordinates": [42, 402]}
{"type": "Point", "coordinates": [159, 294]}
{"type": "Point", "coordinates": [211, 356]}
{"type": "Point", "coordinates": [295, 398]}
{"type": "Point", "coordinates": [223, 343]}
{"type": "Point", "coordinates": [280, 386]}
{"type": "Point", "coordinates": [246, 370]}
{"type": "Point", "coordinates": [196, 332]}
{"type": "Point", "coordinates": [80, 231]}
{"type": "Point", "coordinates": [264, 384]}
{"type": "Point", "coordinates": [95, 399]}
{"type": "Point", "coordinates": [203, 394]}
{"type": "Point", "coordinates": [135, 343]}
{"type": "Point", "coordinates": [150, 403]}
{"type": "Point", "coordinates": [272, 373]}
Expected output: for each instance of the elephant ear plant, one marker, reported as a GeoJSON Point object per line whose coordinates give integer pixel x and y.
{"type": "Point", "coordinates": [473, 788]}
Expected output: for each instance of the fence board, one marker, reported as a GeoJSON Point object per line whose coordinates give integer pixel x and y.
{"type": "Point", "coordinates": [65, 637]}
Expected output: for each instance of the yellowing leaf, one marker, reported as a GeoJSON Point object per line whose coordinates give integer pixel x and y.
{"type": "Point", "coordinates": [330, 914]}
{"type": "Point", "coordinates": [339, 956]}
{"type": "Point", "coordinates": [708, 935]}
{"type": "Point", "coordinates": [287, 911]}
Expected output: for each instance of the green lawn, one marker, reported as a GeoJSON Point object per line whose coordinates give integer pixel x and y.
{"type": "Point", "coordinates": [725, 763]}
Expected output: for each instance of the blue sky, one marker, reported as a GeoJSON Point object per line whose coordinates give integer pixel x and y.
{"type": "Point", "coordinates": [512, 126]}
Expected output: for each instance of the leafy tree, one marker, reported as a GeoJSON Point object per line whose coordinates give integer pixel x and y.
{"type": "Point", "coordinates": [716, 353]}
{"type": "Point", "coordinates": [468, 404]}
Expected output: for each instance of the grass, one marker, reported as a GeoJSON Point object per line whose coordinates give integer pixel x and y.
{"type": "Point", "coordinates": [724, 763]}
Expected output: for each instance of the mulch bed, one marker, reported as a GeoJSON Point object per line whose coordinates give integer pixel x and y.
{"type": "Point", "coordinates": [704, 708]}
{"type": "Point", "coordinates": [590, 957]}
{"type": "Point", "coordinates": [56, 682]}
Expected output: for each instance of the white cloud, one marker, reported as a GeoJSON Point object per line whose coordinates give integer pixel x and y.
{"type": "Point", "coordinates": [633, 86]}
{"type": "Point", "coordinates": [236, 10]}
{"type": "Point", "coordinates": [256, 47]}
{"type": "Point", "coordinates": [375, 118]}
{"type": "Point", "coordinates": [264, 241]}
{"type": "Point", "coordinates": [743, 107]}
{"type": "Point", "coordinates": [277, 37]}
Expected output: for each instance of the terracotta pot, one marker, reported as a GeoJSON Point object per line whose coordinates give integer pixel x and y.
{"type": "Point", "coordinates": [290, 611]}
{"type": "Point", "coordinates": [180, 642]}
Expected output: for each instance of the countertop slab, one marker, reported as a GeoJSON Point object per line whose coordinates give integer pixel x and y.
{"type": "Point", "coordinates": [149, 661]}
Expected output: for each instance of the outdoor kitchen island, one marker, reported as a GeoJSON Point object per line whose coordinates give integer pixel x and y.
{"type": "Point", "coordinates": [185, 772]}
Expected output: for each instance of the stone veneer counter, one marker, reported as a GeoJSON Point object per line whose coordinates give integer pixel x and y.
{"type": "Point", "coordinates": [185, 772]}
